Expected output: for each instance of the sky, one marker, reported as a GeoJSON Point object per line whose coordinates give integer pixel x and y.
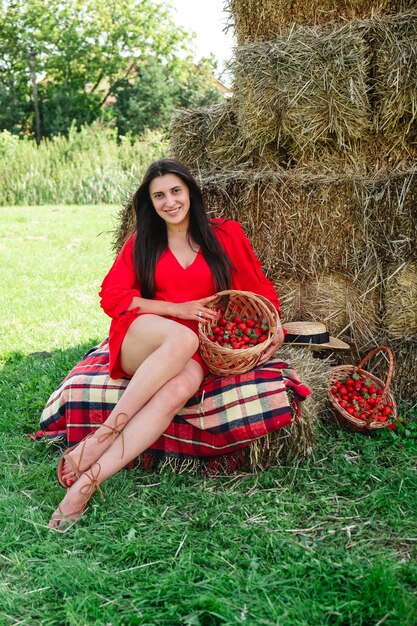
{"type": "Point", "coordinates": [207, 19]}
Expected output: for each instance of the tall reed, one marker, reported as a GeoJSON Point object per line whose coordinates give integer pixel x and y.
{"type": "Point", "coordinates": [89, 166]}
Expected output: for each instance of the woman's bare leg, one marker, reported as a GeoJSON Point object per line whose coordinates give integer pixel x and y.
{"type": "Point", "coordinates": [153, 352]}
{"type": "Point", "coordinates": [143, 429]}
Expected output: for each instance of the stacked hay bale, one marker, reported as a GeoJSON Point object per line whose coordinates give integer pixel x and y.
{"type": "Point", "coordinates": [316, 155]}
{"type": "Point", "coordinates": [262, 20]}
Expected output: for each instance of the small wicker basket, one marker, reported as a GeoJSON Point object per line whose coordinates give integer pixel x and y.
{"type": "Point", "coordinates": [246, 304]}
{"type": "Point", "coordinates": [342, 372]}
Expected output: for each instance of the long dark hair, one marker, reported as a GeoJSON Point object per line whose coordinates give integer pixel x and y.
{"type": "Point", "coordinates": [152, 236]}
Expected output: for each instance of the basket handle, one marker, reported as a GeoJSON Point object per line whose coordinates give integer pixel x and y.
{"type": "Point", "coordinates": [274, 313]}
{"type": "Point", "coordinates": [388, 380]}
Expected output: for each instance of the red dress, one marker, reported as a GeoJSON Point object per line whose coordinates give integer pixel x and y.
{"type": "Point", "coordinates": [173, 283]}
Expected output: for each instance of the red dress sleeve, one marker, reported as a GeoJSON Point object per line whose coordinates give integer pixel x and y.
{"type": "Point", "coordinates": [248, 274]}
{"type": "Point", "coordinates": [120, 285]}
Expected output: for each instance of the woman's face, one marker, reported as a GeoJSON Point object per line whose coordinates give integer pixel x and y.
{"type": "Point", "coordinates": [171, 199]}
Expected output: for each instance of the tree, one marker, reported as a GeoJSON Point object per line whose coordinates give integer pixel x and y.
{"type": "Point", "coordinates": [66, 46]}
{"type": "Point", "coordinates": [147, 101]}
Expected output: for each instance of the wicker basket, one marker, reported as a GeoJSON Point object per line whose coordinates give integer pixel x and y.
{"type": "Point", "coordinates": [246, 304]}
{"type": "Point", "coordinates": [342, 372]}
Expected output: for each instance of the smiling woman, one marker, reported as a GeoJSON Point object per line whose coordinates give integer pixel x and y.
{"type": "Point", "coordinates": [171, 199]}
{"type": "Point", "coordinates": [156, 293]}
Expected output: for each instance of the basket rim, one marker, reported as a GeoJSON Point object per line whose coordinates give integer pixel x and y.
{"type": "Point", "coordinates": [243, 354]}
{"type": "Point", "coordinates": [342, 413]}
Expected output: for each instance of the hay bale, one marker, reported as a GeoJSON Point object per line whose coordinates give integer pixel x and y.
{"type": "Point", "coordinates": [405, 373]}
{"type": "Point", "coordinates": [374, 156]}
{"type": "Point", "coordinates": [389, 208]}
{"type": "Point", "coordinates": [296, 442]}
{"type": "Point", "coordinates": [395, 76]}
{"type": "Point", "coordinates": [400, 299]}
{"type": "Point", "coordinates": [347, 305]}
{"type": "Point", "coordinates": [261, 20]}
{"type": "Point", "coordinates": [187, 136]}
{"type": "Point", "coordinates": [126, 224]}
{"type": "Point", "coordinates": [209, 138]}
{"type": "Point", "coordinates": [291, 443]}
{"type": "Point", "coordinates": [299, 225]}
{"type": "Point", "coordinates": [304, 88]}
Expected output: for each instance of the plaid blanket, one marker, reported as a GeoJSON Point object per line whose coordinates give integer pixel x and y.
{"type": "Point", "coordinates": [225, 415]}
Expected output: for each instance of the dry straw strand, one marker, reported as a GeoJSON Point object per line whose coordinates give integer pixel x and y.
{"type": "Point", "coordinates": [389, 205]}
{"type": "Point", "coordinates": [305, 88]}
{"type": "Point", "coordinates": [395, 83]}
{"type": "Point", "coordinates": [262, 20]}
{"type": "Point", "coordinates": [297, 223]}
{"type": "Point", "coordinates": [400, 298]}
{"type": "Point", "coordinates": [209, 137]}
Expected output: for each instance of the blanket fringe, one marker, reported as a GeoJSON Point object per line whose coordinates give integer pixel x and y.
{"type": "Point", "coordinates": [226, 464]}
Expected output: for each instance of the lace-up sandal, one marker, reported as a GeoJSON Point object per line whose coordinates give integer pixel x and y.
{"type": "Point", "coordinates": [114, 431]}
{"type": "Point", "coordinates": [65, 458]}
{"type": "Point", "coordinates": [61, 522]}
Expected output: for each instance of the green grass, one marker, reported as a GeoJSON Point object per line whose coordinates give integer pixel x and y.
{"type": "Point", "coordinates": [52, 262]}
{"type": "Point", "coordinates": [332, 541]}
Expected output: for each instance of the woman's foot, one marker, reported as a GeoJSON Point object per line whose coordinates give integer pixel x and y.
{"type": "Point", "coordinates": [73, 505]}
{"type": "Point", "coordinates": [76, 460]}
{"type": "Point", "coordinates": [80, 458]}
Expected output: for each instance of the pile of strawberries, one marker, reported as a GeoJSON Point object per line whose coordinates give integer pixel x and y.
{"type": "Point", "coordinates": [237, 332]}
{"type": "Point", "coordinates": [359, 397]}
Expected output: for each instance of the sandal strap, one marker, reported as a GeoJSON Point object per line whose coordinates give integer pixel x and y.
{"type": "Point", "coordinates": [71, 462]}
{"type": "Point", "coordinates": [65, 521]}
{"type": "Point", "coordinates": [89, 489]}
{"type": "Point", "coordinates": [117, 429]}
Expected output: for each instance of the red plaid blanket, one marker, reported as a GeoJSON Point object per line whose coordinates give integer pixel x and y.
{"type": "Point", "coordinates": [225, 415]}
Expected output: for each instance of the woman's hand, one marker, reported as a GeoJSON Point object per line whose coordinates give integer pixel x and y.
{"type": "Point", "coordinates": [196, 310]}
{"type": "Point", "coordinates": [270, 351]}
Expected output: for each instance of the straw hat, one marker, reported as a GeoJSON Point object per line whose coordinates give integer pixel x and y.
{"type": "Point", "coordinates": [312, 334]}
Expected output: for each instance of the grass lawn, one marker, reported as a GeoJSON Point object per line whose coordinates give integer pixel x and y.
{"type": "Point", "coordinates": [332, 541]}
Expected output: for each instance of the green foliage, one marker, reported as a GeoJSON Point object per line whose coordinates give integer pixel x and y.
{"type": "Point", "coordinates": [148, 100]}
{"type": "Point", "coordinates": [145, 102]}
{"type": "Point", "coordinates": [88, 166]}
{"type": "Point", "coordinates": [331, 542]}
{"type": "Point", "coordinates": [63, 107]}
{"type": "Point", "coordinates": [15, 110]}
{"type": "Point", "coordinates": [84, 51]}
{"type": "Point", "coordinates": [195, 87]}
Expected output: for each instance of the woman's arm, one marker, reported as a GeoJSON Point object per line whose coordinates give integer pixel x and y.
{"type": "Point", "coordinates": [120, 293]}
{"type": "Point", "coordinates": [120, 286]}
{"type": "Point", "coordinates": [192, 310]}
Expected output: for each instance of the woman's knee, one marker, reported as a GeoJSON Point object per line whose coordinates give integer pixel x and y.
{"type": "Point", "coordinates": [179, 390]}
{"type": "Point", "coordinates": [185, 339]}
